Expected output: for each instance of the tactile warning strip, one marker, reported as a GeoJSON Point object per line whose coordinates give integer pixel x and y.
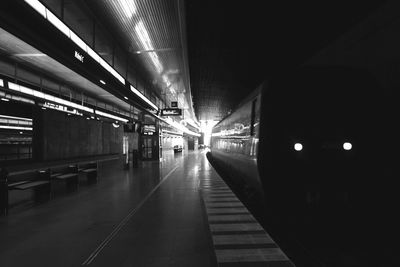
{"type": "Point", "coordinates": [239, 240]}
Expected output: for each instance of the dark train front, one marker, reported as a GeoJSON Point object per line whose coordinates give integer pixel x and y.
{"type": "Point", "coordinates": [312, 145]}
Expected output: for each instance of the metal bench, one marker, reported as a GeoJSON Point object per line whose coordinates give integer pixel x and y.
{"type": "Point", "coordinates": [90, 169]}
{"type": "Point", "coordinates": [39, 181]}
{"type": "Point", "coordinates": [69, 174]}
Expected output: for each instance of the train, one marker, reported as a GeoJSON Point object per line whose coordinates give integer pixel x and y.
{"type": "Point", "coordinates": [312, 146]}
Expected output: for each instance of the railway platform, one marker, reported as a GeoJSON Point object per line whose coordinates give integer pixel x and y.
{"type": "Point", "coordinates": [176, 212]}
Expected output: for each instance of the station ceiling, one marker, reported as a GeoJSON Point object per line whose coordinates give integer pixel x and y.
{"type": "Point", "coordinates": [209, 54]}
{"type": "Point", "coordinates": [235, 45]}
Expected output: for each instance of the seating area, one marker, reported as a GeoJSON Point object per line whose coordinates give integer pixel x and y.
{"type": "Point", "coordinates": [90, 170]}
{"type": "Point", "coordinates": [47, 182]}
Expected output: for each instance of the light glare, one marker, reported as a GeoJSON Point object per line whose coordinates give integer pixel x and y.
{"type": "Point", "coordinates": [28, 91]}
{"type": "Point", "coordinates": [110, 116]}
{"type": "Point", "coordinates": [129, 7]}
{"type": "Point", "coordinates": [139, 94]}
{"type": "Point", "coordinates": [298, 147]}
{"type": "Point", "coordinates": [347, 146]}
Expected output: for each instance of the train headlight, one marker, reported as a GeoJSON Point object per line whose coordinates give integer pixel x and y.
{"type": "Point", "coordinates": [298, 147]}
{"type": "Point", "coordinates": [347, 146]}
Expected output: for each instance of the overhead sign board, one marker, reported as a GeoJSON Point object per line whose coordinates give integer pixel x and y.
{"type": "Point", "coordinates": [171, 112]}
{"type": "Point", "coordinates": [148, 129]}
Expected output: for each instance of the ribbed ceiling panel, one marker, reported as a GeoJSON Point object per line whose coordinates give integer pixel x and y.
{"type": "Point", "coordinates": [151, 31]}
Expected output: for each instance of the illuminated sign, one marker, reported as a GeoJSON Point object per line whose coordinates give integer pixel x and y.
{"type": "Point", "coordinates": [61, 108]}
{"type": "Point", "coordinates": [171, 112]}
{"type": "Point", "coordinates": [149, 128]}
{"type": "Point", "coordinates": [79, 56]}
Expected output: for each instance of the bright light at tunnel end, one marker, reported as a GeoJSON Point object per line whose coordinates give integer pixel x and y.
{"type": "Point", "coordinates": [298, 147]}
{"type": "Point", "coordinates": [347, 146]}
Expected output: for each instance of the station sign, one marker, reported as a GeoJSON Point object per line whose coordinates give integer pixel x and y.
{"type": "Point", "coordinates": [149, 129]}
{"type": "Point", "coordinates": [171, 112]}
{"type": "Point", "coordinates": [61, 108]}
{"type": "Point", "coordinates": [79, 56]}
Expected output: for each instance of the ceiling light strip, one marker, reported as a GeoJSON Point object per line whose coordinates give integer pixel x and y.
{"type": "Point", "coordinates": [104, 114]}
{"type": "Point", "coordinates": [147, 45]}
{"type": "Point", "coordinates": [38, 94]}
{"type": "Point", "coordinates": [16, 128]}
{"type": "Point", "coordinates": [139, 94]}
{"type": "Point", "coordinates": [178, 126]}
{"type": "Point", "coordinates": [15, 118]}
{"type": "Point", "coordinates": [53, 19]}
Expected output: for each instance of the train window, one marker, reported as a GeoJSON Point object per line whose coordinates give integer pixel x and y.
{"type": "Point", "coordinates": [298, 147]}
{"type": "Point", "coordinates": [347, 146]}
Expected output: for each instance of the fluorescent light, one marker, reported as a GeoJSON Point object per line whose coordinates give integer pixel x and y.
{"type": "Point", "coordinates": [178, 126]}
{"type": "Point", "coordinates": [16, 128]}
{"type": "Point", "coordinates": [15, 118]}
{"type": "Point", "coordinates": [15, 122]}
{"type": "Point", "coordinates": [125, 97]}
{"type": "Point", "coordinates": [38, 94]}
{"type": "Point", "coordinates": [29, 55]}
{"type": "Point", "coordinates": [129, 7]}
{"type": "Point", "coordinates": [58, 23]}
{"type": "Point", "coordinates": [93, 54]}
{"type": "Point", "coordinates": [144, 39]}
{"type": "Point", "coordinates": [103, 82]}
{"type": "Point", "coordinates": [5, 99]}
{"type": "Point", "coordinates": [1, 83]}
{"type": "Point", "coordinates": [39, 7]}
{"type": "Point", "coordinates": [139, 94]}
{"type": "Point", "coordinates": [143, 36]}
{"type": "Point", "coordinates": [75, 38]}
{"type": "Point", "coordinates": [156, 61]}
{"type": "Point", "coordinates": [16, 98]}
{"type": "Point", "coordinates": [101, 113]}
{"type": "Point", "coordinates": [111, 70]}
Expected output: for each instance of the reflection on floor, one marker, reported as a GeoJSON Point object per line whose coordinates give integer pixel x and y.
{"type": "Point", "coordinates": [163, 213]}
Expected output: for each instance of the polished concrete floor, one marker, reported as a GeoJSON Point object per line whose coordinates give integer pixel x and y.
{"type": "Point", "coordinates": [147, 216]}
{"type": "Point", "coordinates": [176, 212]}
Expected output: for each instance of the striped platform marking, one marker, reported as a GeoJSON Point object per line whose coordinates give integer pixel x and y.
{"type": "Point", "coordinates": [251, 255]}
{"type": "Point", "coordinates": [239, 240]}
{"type": "Point", "coordinates": [230, 218]}
{"type": "Point", "coordinates": [235, 227]}
{"type": "Point", "coordinates": [224, 204]}
{"type": "Point", "coordinates": [235, 210]}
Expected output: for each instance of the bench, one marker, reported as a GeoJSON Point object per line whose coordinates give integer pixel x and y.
{"type": "Point", "coordinates": [90, 169]}
{"type": "Point", "coordinates": [69, 174]}
{"type": "Point", "coordinates": [43, 181]}
{"type": "Point", "coordinates": [39, 181]}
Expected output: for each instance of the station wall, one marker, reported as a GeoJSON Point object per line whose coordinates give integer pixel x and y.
{"type": "Point", "coordinates": [65, 137]}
